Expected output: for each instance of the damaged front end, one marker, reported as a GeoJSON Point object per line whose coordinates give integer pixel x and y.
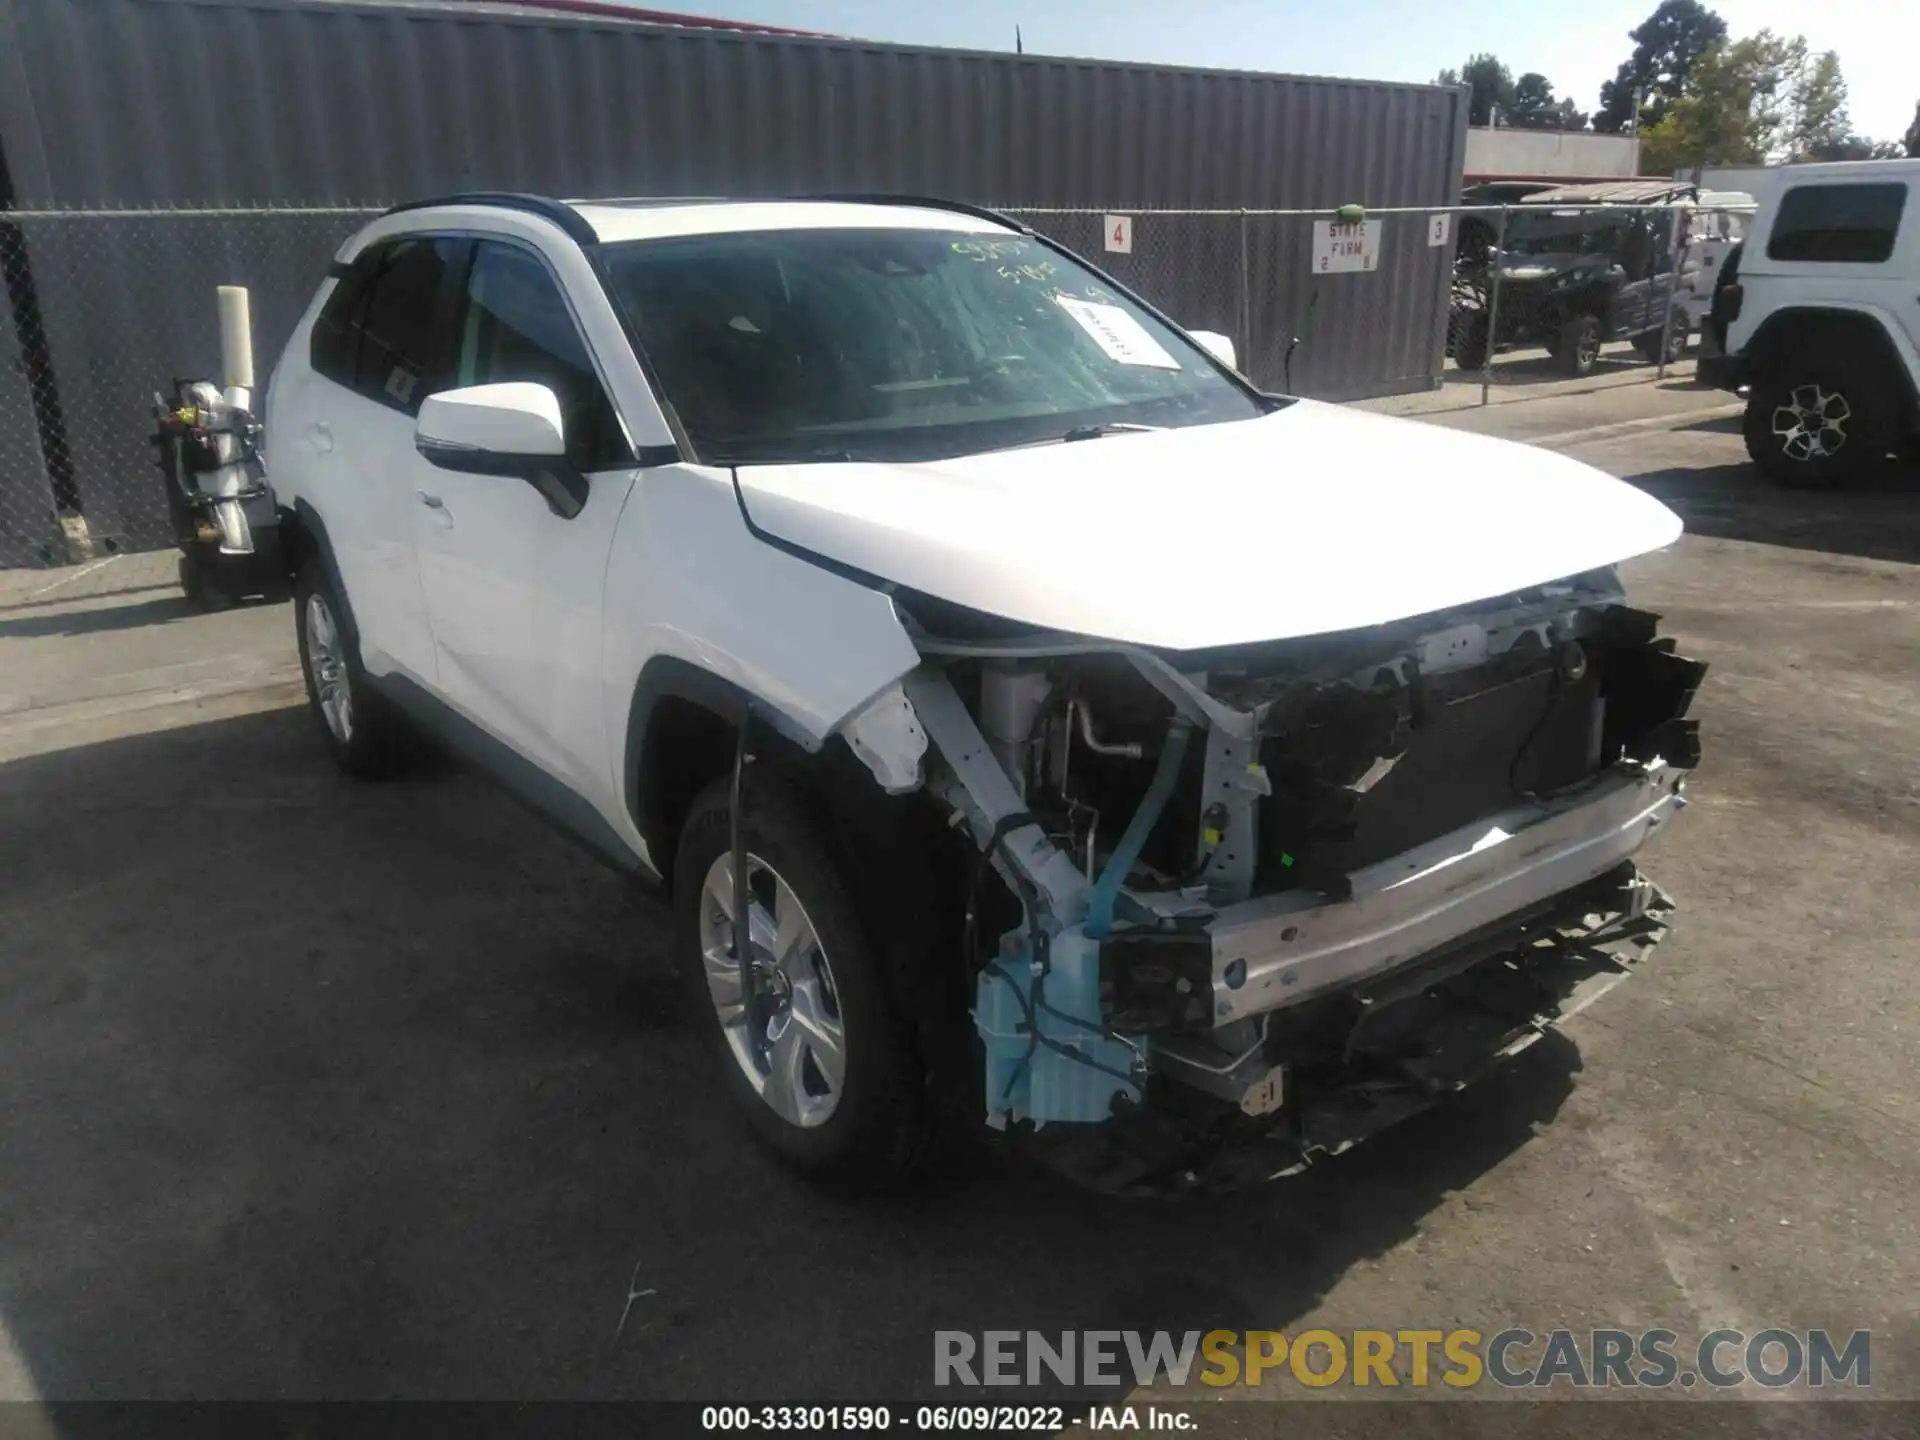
{"type": "Point", "coordinates": [1259, 902]}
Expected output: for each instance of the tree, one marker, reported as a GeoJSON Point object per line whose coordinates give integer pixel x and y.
{"type": "Point", "coordinates": [1855, 147]}
{"type": "Point", "coordinates": [1666, 47]}
{"type": "Point", "coordinates": [1492, 87]}
{"type": "Point", "coordinates": [1818, 124]}
{"type": "Point", "coordinates": [1534, 107]}
{"type": "Point", "coordinates": [1734, 110]}
{"type": "Point", "coordinates": [1775, 66]}
{"type": "Point", "coordinates": [1533, 103]}
{"type": "Point", "coordinates": [1570, 116]}
{"type": "Point", "coordinates": [1913, 132]}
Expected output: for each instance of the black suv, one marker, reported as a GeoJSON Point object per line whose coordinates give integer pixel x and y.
{"type": "Point", "coordinates": [1581, 265]}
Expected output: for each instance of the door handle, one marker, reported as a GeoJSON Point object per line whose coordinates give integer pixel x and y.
{"type": "Point", "coordinates": [322, 436]}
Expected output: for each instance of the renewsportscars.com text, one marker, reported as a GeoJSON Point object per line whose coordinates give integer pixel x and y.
{"type": "Point", "coordinates": [1512, 1358]}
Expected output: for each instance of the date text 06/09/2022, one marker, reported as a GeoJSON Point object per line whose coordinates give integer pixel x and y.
{"type": "Point", "coordinates": [935, 1419]}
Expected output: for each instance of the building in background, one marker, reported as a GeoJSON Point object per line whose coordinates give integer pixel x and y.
{"type": "Point", "coordinates": [1756, 181]}
{"type": "Point", "coordinates": [222, 105]}
{"type": "Point", "coordinates": [1563, 157]}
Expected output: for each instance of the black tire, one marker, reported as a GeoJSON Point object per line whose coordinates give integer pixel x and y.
{"type": "Point", "coordinates": [1676, 337]}
{"type": "Point", "coordinates": [1470, 346]}
{"type": "Point", "coordinates": [369, 745]}
{"type": "Point", "coordinates": [1577, 348]}
{"type": "Point", "coordinates": [1859, 421]}
{"type": "Point", "coordinates": [876, 1133]}
{"type": "Point", "coordinates": [191, 583]}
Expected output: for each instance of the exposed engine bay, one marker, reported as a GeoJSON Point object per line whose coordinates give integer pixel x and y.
{"type": "Point", "coordinates": [1255, 903]}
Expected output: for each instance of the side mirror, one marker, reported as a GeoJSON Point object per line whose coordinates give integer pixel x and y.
{"type": "Point", "coordinates": [1216, 345]}
{"type": "Point", "coordinates": [513, 429]}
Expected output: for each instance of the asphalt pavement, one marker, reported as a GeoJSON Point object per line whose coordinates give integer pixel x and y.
{"type": "Point", "coordinates": [316, 1089]}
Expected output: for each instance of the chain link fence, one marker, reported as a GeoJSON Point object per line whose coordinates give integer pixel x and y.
{"type": "Point", "coordinates": [108, 307]}
{"type": "Point", "coordinates": [1553, 293]}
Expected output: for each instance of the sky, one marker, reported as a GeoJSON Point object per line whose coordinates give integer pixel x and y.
{"type": "Point", "coordinates": [1575, 45]}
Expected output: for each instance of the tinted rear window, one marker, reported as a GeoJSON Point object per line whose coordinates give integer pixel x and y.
{"type": "Point", "coordinates": [1837, 224]}
{"type": "Point", "coordinates": [335, 344]}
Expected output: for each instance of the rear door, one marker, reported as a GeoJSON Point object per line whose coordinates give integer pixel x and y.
{"type": "Point", "coordinates": [1852, 242]}
{"type": "Point", "coordinates": [513, 589]}
{"type": "Point", "coordinates": [1906, 263]}
{"type": "Point", "coordinates": [373, 362]}
{"type": "Point", "coordinates": [1638, 250]}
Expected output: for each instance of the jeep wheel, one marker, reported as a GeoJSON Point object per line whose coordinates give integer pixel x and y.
{"type": "Point", "coordinates": [1578, 346]}
{"type": "Point", "coordinates": [361, 734]}
{"type": "Point", "coordinates": [1818, 422]}
{"type": "Point", "coordinates": [817, 1059]}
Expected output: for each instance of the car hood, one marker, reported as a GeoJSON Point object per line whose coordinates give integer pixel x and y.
{"type": "Point", "coordinates": [1313, 519]}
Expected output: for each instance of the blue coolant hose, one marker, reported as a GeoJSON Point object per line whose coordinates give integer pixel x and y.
{"type": "Point", "coordinates": [1107, 888]}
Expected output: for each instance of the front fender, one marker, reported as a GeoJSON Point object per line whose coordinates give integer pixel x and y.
{"type": "Point", "coordinates": [699, 608]}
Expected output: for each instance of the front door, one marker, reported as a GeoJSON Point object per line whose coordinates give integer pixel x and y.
{"type": "Point", "coordinates": [514, 591]}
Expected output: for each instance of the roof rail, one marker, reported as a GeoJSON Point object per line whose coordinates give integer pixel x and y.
{"type": "Point", "coordinates": [565, 216]}
{"type": "Point", "coordinates": [928, 202]}
{"type": "Point", "coordinates": [643, 202]}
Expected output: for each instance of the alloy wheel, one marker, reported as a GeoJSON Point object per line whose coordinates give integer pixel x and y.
{"type": "Point", "coordinates": [1812, 424]}
{"type": "Point", "coordinates": [327, 665]}
{"type": "Point", "coordinates": [789, 1038]}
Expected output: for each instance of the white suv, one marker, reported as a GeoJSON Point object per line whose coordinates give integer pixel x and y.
{"type": "Point", "coordinates": [1817, 316]}
{"type": "Point", "coordinates": [1183, 778]}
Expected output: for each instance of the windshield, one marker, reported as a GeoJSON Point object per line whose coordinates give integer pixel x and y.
{"type": "Point", "coordinates": [1561, 235]}
{"type": "Point", "coordinates": [815, 345]}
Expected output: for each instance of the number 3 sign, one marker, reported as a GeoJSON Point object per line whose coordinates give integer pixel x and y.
{"type": "Point", "coordinates": [1119, 233]}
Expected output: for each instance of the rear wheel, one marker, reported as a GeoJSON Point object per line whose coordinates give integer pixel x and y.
{"type": "Point", "coordinates": [1819, 421]}
{"type": "Point", "coordinates": [815, 1055]}
{"type": "Point", "coordinates": [360, 732]}
{"type": "Point", "coordinates": [1679, 331]}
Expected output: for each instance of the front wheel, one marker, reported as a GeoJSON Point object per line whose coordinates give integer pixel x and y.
{"type": "Point", "coordinates": [1578, 350]}
{"type": "Point", "coordinates": [1818, 422]}
{"type": "Point", "coordinates": [192, 582]}
{"type": "Point", "coordinates": [1471, 342]}
{"type": "Point", "coordinates": [810, 1048]}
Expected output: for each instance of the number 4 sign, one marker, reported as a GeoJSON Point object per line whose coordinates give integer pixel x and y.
{"type": "Point", "coordinates": [1119, 233]}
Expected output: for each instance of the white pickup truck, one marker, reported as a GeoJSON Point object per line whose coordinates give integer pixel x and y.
{"type": "Point", "coordinates": [1029, 719]}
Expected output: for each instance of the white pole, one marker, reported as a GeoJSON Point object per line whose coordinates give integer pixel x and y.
{"type": "Point", "coordinates": [236, 338]}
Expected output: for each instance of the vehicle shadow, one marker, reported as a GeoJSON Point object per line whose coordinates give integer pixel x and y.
{"type": "Point", "coordinates": [318, 1089]}
{"type": "Point", "coordinates": [1529, 368]}
{"type": "Point", "coordinates": [1877, 518]}
{"type": "Point", "coordinates": [98, 618]}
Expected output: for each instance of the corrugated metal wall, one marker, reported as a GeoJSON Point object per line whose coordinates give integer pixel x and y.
{"type": "Point", "coordinates": [249, 102]}
{"type": "Point", "coordinates": [252, 101]}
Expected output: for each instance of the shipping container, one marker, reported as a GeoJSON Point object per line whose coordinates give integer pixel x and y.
{"type": "Point", "coordinates": [108, 104]}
